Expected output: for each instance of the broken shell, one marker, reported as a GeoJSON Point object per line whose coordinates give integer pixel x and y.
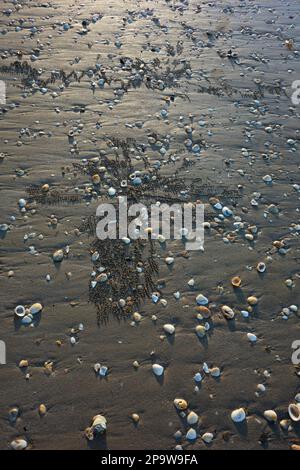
{"type": "Point", "coordinates": [169, 328]}
{"type": "Point", "coordinates": [270, 416]}
{"type": "Point", "coordinates": [261, 267]}
{"type": "Point", "coordinates": [42, 410]}
{"type": "Point", "coordinates": [227, 312]}
{"type": "Point", "coordinates": [157, 369]}
{"type": "Point", "coordinates": [204, 311]}
{"type": "Point", "coordinates": [19, 444]}
{"type": "Point", "coordinates": [200, 331]}
{"type": "Point", "coordinates": [35, 308]}
{"type": "Point", "coordinates": [207, 437]}
{"type": "Point", "coordinates": [58, 256]}
{"type": "Point", "coordinates": [89, 434]}
{"type": "Point", "coordinates": [238, 415]}
{"type": "Point", "coordinates": [192, 418]}
{"type": "Point", "coordinates": [20, 311]}
{"type": "Point", "coordinates": [191, 435]}
{"type": "Point", "coordinates": [99, 424]}
{"type": "Point", "coordinates": [252, 300]}
{"type": "Point", "coordinates": [236, 281]}
{"type": "Point", "coordinates": [180, 404]}
{"type": "Point", "coordinates": [294, 412]}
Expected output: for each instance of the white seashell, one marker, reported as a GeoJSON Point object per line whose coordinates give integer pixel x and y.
{"type": "Point", "coordinates": [22, 203]}
{"type": "Point", "coordinates": [294, 412]}
{"type": "Point", "coordinates": [238, 415]}
{"type": "Point", "coordinates": [270, 416]}
{"type": "Point", "coordinates": [26, 320]}
{"type": "Point", "coordinates": [180, 404]}
{"type": "Point", "coordinates": [207, 437]}
{"type": "Point", "coordinates": [200, 331]}
{"type": "Point", "coordinates": [20, 311]}
{"type": "Point", "coordinates": [137, 317]}
{"type": "Point", "coordinates": [215, 372]}
{"type": "Point", "coordinates": [201, 299]}
{"type": "Point", "coordinates": [191, 282]}
{"type": "Point", "coordinates": [19, 444]}
{"type": "Point", "coordinates": [297, 398]}
{"type": "Point", "coordinates": [191, 435]}
{"type": "Point", "coordinates": [169, 260]}
{"type": "Point", "coordinates": [227, 312]}
{"type": "Point", "coordinates": [168, 328]}
{"type": "Point", "coordinates": [261, 388]}
{"type": "Point", "coordinates": [267, 178]}
{"type": "Point", "coordinates": [97, 367]}
{"type": "Point", "coordinates": [95, 256]}
{"type": "Point", "coordinates": [251, 337]}
{"type": "Point", "coordinates": [35, 308]}
{"type": "Point", "coordinates": [111, 191]}
{"type": "Point", "coordinates": [198, 377]}
{"type": "Point", "coordinates": [157, 369]}
{"type": "Point", "coordinates": [192, 418]}
{"type": "Point", "coordinates": [261, 267]}
{"type": "Point", "coordinates": [58, 256]}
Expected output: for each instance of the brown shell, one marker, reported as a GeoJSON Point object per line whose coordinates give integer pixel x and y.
{"type": "Point", "coordinates": [204, 311]}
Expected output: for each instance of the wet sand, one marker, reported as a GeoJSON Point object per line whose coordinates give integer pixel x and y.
{"type": "Point", "coordinates": [217, 88]}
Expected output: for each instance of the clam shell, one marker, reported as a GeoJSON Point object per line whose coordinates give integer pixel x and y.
{"type": "Point", "coordinates": [227, 312]}
{"type": "Point", "coordinates": [180, 404]}
{"type": "Point", "coordinates": [207, 437]}
{"type": "Point", "coordinates": [204, 311]}
{"type": "Point", "coordinates": [215, 372]}
{"type": "Point", "coordinates": [200, 331]}
{"type": "Point", "coordinates": [252, 300]}
{"type": "Point", "coordinates": [236, 281]}
{"type": "Point", "coordinates": [135, 417]}
{"type": "Point", "coordinates": [157, 369]}
{"type": "Point", "coordinates": [294, 412]}
{"type": "Point", "coordinates": [238, 415]}
{"type": "Point", "coordinates": [191, 435]}
{"type": "Point", "coordinates": [42, 409]}
{"type": "Point", "coordinates": [20, 311]}
{"type": "Point", "coordinates": [19, 444]}
{"type": "Point", "coordinates": [270, 416]}
{"type": "Point", "coordinates": [58, 256]}
{"type": "Point", "coordinates": [192, 418]}
{"type": "Point", "coordinates": [35, 308]}
{"type": "Point", "coordinates": [169, 328]}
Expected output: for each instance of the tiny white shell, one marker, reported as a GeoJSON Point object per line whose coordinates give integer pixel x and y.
{"type": "Point", "coordinates": [191, 435]}
{"type": "Point", "coordinates": [192, 418]}
{"type": "Point", "coordinates": [270, 416]}
{"type": "Point", "coordinates": [20, 311]}
{"type": "Point", "coordinates": [238, 415]}
{"type": "Point", "coordinates": [19, 444]}
{"type": "Point", "coordinates": [169, 328]}
{"type": "Point", "coordinates": [207, 437]}
{"type": "Point", "coordinates": [157, 369]}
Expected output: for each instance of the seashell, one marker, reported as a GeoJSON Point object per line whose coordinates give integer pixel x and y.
{"type": "Point", "coordinates": [58, 256]}
{"type": "Point", "coordinates": [19, 444]}
{"type": "Point", "coordinates": [249, 237]}
{"type": "Point", "coordinates": [294, 412]}
{"type": "Point", "coordinates": [168, 328]}
{"type": "Point", "coordinates": [238, 415]}
{"type": "Point", "coordinates": [35, 308]}
{"type": "Point", "coordinates": [137, 317]}
{"type": "Point", "coordinates": [191, 283]}
{"type": "Point", "coordinates": [88, 432]}
{"type": "Point", "coordinates": [251, 337]}
{"type": "Point", "coordinates": [227, 312]}
{"type": "Point", "coordinates": [236, 281]}
{"type": "Point", "coordinates": [200, 331]}
{"type": "Point", "coordinates": [169, 260]}
{"type": "Point", "coordinates": [192, 418]}
{"type": "Point", "coordinates": [207, 437]}
{"type": "Point", "coordinates": [252, 300]}
{"type": "Point", "coordinates": [111, 191]}
{"type": "Point", "coordinates": [204, 311]}
{"type": "Point", "coordinates": [20, 311]}
{"type": "Point", "coordinates": [197, 377]}
{"type": "Point", "coordinates": [13, 414]}
{"type": "Point", "coordinates": [22, 203]}
{"type": "Point", "coordinates": [135, 417]}
{"type": "Point", "coordinates": [99, 424]}
{"type": "Point", "coordinates": [261, 267]}
{"type": "Point", "coordinates": [215, 372]}
{"type": "Point", "coordinates": [45, 188]}
{"type": "Point", "coordinates": [284, 424]}
{"type": "Point", "coordinates": [42, 410]}
{"type": "Point", "coordinates": [270, 416]}
{"type": "Point", "coordinates": [23, 363]}
{"type": "Point", "coordinates": [295, 447]}
{"type": "Point", "coordinates": [157, 369]}
{"type": "Point", "coordinates": [26, 320]}
{"type": "Point", "coordinates": [297, 398]}
{"type": "Point", "coordinates": [96, 178]}
{"type": "Point", "coordinates": [191, 435]}
{"type": "Point", "coordinates": [180, 404]}
{"type": "Point", "coordinates": [95, 256]}
{"type": "Point", "coordinates": [201, 299]}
